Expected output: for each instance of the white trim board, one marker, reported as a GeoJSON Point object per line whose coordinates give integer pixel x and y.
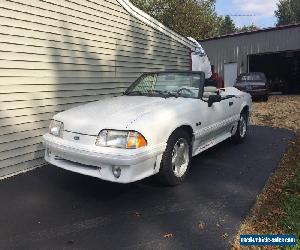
{"type": "Point", "coordinates": [145, 18]}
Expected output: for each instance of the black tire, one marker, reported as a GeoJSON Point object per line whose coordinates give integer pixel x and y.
{"type": "Point", "coordinates": [166, 174]}
{"type": "Point", "coordinates": [240, 135]}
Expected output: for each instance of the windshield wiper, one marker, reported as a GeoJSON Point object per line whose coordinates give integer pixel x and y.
{"type": "Point", "coordinates": [147, 92]}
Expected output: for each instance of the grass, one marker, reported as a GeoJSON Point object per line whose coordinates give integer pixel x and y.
{"type": "Point", "coordinates": [291, 207]}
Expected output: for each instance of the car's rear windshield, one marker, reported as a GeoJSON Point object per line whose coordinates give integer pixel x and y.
{"type": "Point", "coordinates": [251, 78]}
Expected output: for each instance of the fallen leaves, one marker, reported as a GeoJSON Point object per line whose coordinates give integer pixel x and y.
{"type": "Point", "coordinates": [168, 236]}
{"type": "Point", "coordinates": [201, 225]}
{"type": "Point", "coordinates": [225, 236]}
{"type": "Point", "coordinates": [279, 111]}
{"type": "Point", "coordinates": [137, 214]}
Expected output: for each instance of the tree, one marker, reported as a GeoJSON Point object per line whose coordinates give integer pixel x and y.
{"type": "Point", "coordinates": [227, 26]}
{"type": "Point", "coordinates": [245, 28]}
{"type": "Point", "coordinates": [288, 12]}
{"type": "Point", "coordinates": [195, 18]}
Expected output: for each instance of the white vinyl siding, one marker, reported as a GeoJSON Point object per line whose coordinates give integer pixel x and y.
{"type": "Point", "coordinates": [55, 55]}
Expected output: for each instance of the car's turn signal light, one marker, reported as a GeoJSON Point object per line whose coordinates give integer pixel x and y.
{"type": "Point", "coordinates": [135, 140]}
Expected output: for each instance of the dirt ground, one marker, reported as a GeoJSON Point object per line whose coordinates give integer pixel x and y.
{"type": "Point", "coordinates": [268, 215]}
{"type": "Point", "coordinates": [279, 111]}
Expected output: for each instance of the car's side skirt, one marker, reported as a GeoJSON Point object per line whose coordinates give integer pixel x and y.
{"type": "Point", "coordinates": [211, 143]}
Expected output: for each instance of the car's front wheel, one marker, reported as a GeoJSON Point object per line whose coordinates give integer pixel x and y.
{"type": "Point", "coordinates": [176, 158]}
{"type": "Point", "coordinates": [242, 129]}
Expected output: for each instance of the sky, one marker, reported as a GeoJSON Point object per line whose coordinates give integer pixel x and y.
{"type": "Point", "coordinates": [262, 9]}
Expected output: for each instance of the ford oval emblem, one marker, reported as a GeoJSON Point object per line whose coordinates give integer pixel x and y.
{"type": "Point", "coordinates": [76, 138]}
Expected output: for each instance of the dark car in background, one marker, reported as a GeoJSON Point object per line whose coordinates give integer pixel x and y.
{"type": "Point", "coordinates": [254, 83]}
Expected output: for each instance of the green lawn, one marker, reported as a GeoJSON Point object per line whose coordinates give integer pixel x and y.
{"type": "Point", "coordinates": [291, 206]}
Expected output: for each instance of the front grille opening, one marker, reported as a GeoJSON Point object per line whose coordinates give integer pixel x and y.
{"type": "Point", "coordinates": [75, 164]}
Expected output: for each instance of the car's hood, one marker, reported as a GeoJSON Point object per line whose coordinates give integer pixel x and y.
{"type": "Point", "coordinates": [111, 113]}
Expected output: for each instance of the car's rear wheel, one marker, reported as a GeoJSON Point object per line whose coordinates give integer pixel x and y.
{"type": "Point", "coordinates": [176, 158]}
{"type": "Point", "coordinates": [242, 128]}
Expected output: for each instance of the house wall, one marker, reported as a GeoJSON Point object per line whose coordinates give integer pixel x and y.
{"type": "Point", "coordinates": [236, 48]}
{"type": "Point", "coordinates": [55, 55]}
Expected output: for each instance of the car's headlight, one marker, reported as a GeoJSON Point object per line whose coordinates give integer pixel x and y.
{"type": "Point", "coordinates": [56, 128]}
{"type": "Point", "coordinates": [121, 139]}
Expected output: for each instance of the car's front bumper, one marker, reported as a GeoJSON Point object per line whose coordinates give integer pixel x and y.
{"type": "Point", "coordinates": [257, 92]}
{"type": "Point", "coordinates": [135, 164]}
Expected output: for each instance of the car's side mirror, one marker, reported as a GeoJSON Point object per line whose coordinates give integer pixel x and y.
{"type": "Point", "coordinates": [213, 98]}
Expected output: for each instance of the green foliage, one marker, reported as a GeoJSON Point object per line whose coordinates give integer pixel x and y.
{"type": "Point", "coordinates": [227, 26]}
{"type": "Point", "coordinates": [195, 18]}
{"type": "Point", "coordinates": [288, 12]}
{"type": "Point", "coordinates": [245, 28]}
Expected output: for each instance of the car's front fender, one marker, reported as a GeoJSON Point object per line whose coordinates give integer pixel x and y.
{"type": "Point", "coordinates": [157, 127]}
{"type": "Point", "coordinates": [246, 102]}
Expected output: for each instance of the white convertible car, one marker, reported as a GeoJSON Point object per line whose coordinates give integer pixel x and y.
{"type": "Point", "coordinates": [155, 127]}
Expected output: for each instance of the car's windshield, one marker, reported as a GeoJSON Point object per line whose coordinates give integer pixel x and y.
{"type": "Point", "coordinates": [250, 77]}
{"type": "Point", "coordinates": [168, 85]}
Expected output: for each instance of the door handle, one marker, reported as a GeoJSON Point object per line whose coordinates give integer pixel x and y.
{"type": "Point", "coordinates": [230, 103]}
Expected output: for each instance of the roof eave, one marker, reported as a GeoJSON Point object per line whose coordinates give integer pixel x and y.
{"type": "Point", "coordinates": [282, 27]}
{"type": "Point", "coordinates": [145, 18]}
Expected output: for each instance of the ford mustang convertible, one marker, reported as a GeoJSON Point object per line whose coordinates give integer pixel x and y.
{"type": "Point", "coordinates": [156, 127]}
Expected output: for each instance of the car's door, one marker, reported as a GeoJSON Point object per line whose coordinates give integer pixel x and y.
{"type": "Point", "coordinates": [216, 121]}
{"type": "Point", "coordinates": [230, 115]}
{"type": "Point", "coordinates": [208, 122]}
